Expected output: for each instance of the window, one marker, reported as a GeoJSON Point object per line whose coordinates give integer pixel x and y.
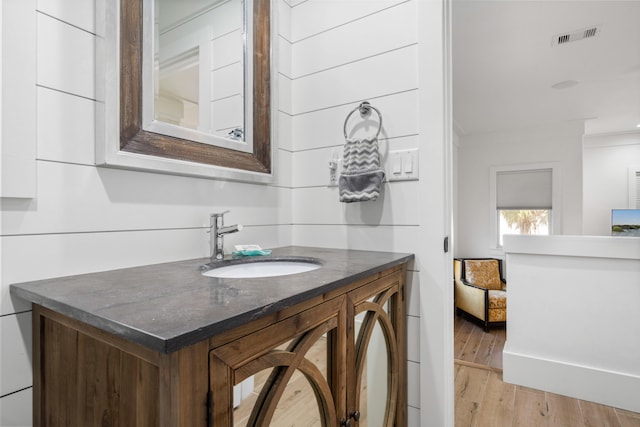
{"type": "Point", "coordinates": [523, 202]}
{"type": "Point", "coordinates": [533, 222]}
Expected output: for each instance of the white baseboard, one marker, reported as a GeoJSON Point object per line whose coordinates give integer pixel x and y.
{"type": "Point", "coordinates": [581, 382]}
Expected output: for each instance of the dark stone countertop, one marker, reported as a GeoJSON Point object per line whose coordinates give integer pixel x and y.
{"type": "Point", "coordinates": [169, 306]}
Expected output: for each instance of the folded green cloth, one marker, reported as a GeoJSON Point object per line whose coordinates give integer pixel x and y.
{"type": "Point", "coordinates": [251, 252]}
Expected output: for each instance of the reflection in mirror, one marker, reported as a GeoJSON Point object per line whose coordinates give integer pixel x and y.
{"type": "Point", "coordinates": [199, 72]}
{"type": "Point", "coordinates": [376, 364]}
{"type": "Point", "coordinates": [297, 406]}
{"type": "Point", "coordinates": [374, 389]}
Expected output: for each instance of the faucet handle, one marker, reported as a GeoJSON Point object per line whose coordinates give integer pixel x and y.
{"type": "Point", "coordinates": [216, 215]}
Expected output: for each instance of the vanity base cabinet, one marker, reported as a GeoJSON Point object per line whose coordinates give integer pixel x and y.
{"type": "Point", "coordinates": [317, 362]}
{"type": "Point", "coordinates": [347, 349]}
{"type": "Point", "coordinates": [83, 376]}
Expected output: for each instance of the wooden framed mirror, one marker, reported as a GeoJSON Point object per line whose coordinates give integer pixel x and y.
{"type": "Point", "coordinates": [126, 142]}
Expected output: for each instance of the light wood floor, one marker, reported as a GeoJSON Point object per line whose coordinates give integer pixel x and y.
{"type": "Point", "coordinates": [483, 400]}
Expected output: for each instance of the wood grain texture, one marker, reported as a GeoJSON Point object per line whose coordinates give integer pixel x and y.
{"type": "Point", "coordinates": [84, 381]}
{"type": "Point", "coordinates": [483, 399]}
{"type": "Point", "coordinates": [628, 419]}
{"type": "Point", "coordinates": [596, 415]}
{"type": "Point", "coordinates": [564, 411]}
{"type": "Point", "coordinates": [470, 383]}
{"type": "Point", "coordinates": [472, 344]}
{"type": "Point", "coordinates": [498, 402]}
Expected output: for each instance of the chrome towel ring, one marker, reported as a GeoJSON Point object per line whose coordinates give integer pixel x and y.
{"type": "Point", "coordinates": [365, 109]}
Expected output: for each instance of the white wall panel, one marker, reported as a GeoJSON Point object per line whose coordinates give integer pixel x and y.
{"type": "Point", "coordinates": [372, 77]}
{"type": "Point", "coordinates": [284, 89]}
{"type": "Point", "coordinates": [15, 409]}
{"type": "Point", "coordinates": [15, 360]}
{"type": "Point", "coordinates": [363, 38]}
{"type": "Point", "coordinates": [413, 416]}
{"type": "Point", "coordinates": [389, 209]}
{"type": "Point", "coordinates": [18, 99]}
{"type": "Point", "coordinates": [283, 16]}
{"type": "Point", "coordinates": [324, 127]}
{"type": "Point", "coordinates": [80, 13]}
{"type": "Point", "coordinates": [413, 340]}
{"type": "Point", "coordinates": [283, 130]}
{"type": "Point", "coordinates": [413, 293]}
{"type": "Point", "coordinates": [312, 17]}
{"type": "Point", "coordinates": [283, 172]}
{"type": "Point", "coordinates": [284, 52]}
{"type": "Point", "coordinates": [66, 57]}
{"type": "Point", "coordinates": [413, 386]}
{"type": "Point", "coordinates": [78, 198]}
{"type": "Point", "coordinates": [66, 127]}
{"type": "Point", "coordinates": [362, 237]}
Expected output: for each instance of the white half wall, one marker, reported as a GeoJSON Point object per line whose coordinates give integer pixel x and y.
{"type": "Point", "coordinates": [573, 316]}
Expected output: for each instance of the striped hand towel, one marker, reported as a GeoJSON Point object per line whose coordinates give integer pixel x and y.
{"type": "Point", "coordinates": [361, 178]}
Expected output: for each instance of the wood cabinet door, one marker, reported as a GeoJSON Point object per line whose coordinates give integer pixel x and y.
{"type": "Point", "coordinates": [377, 393]}
{"type": "Point", "coordinates": [298, 365]}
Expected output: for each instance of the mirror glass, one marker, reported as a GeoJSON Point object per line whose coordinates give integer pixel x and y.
{"type": "Point", "coordinates": [198, 90]}
{"type": "Point", "coordinates": [374, 373]}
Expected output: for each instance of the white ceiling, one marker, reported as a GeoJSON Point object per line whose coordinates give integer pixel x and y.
{"type": "Point", "coordinates": [504, 64]}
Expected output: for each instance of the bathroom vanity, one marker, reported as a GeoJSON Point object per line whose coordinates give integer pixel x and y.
{"type": "Point", "coordinates": [164, 345]}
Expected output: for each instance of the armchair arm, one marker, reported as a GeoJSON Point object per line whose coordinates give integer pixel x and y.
{"type": "Point", "coordinates": [471, 299]}
{"type": "Point", "coordinates": [465, 283]}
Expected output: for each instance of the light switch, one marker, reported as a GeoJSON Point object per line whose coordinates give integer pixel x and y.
{"type": "Point", "coordinates": [402, 165]}
{"type": "Point", "coordinates": [396, 163]}
{"type": "Point", "coordinates": [407, 163]}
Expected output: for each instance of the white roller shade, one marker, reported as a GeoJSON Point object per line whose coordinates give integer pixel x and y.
{"type": "Point", "coordinates": [524, 189]}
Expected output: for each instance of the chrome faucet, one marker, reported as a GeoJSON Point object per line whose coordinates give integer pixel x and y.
{"type": "Point", "coordinates": [218, 230]}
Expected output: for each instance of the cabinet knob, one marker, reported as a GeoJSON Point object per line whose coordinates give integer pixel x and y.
{"type": "Point", "coordinates": [345, 423]}
{"type": "Point", "coordinates": [355, 415]}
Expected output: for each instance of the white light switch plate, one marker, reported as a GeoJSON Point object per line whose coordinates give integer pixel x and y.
{"type": "Point", "coordinates": [402, 165]}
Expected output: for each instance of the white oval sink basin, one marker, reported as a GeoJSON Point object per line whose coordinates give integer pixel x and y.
{"type": "Point", "coordinates": [261, 269]}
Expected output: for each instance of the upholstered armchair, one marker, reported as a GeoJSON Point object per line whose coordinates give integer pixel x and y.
{"type": "Point", "coordinates": [480, 290]}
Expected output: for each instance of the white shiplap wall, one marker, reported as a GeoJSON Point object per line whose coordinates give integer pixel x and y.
{"type": "Point", "coordinates": [331, 55]}
{"type": "Point", "coordinates": [345, 52]}
{"type": "Point", "coordinates": [87, 219]}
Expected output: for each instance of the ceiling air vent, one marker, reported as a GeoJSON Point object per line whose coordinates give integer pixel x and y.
{"type": "Point", "coordinates": [576, 35]}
